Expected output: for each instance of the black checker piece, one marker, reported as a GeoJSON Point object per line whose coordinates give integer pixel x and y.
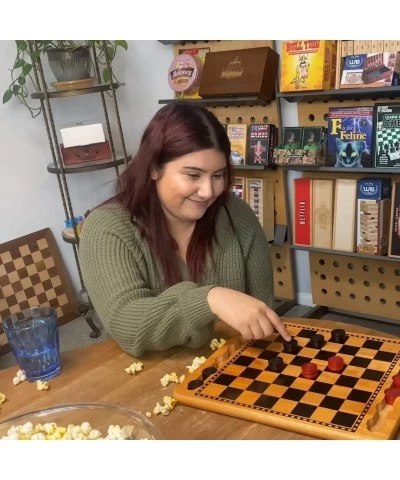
{"type": "Point", "coordinates": [344, 419]}
{"type": "Point", "coordinates": [257, 386]}
{"type": "Point", "coordinates": [224, 379]}
{"type": "Point", "coordinates": [243, 361]}
{"type": "Point", "coordinates": [231, 393]}
{"type": "Point", "coordinates": [266, 401]}
{"type": "Point", "coordinates": [195, 384]}
{"type": "Point", "coordinates": [267, 355]}
{"type": "Point", "coordinates": [250, 373]}
{"type": "Point", "coordinates": [303, 410]}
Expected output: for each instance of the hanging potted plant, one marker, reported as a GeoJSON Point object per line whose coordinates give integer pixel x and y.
{"type": "Point", "coordinates": [69, 61]}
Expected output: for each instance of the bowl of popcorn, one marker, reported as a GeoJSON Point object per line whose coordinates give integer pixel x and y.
{"type": "Point", "coordinates": [84, 421]}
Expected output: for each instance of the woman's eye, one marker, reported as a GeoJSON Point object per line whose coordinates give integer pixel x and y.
{"type": "Point", "coordinates": [219, 175]}
{"type": "Point", "coordinates": [193, 176]}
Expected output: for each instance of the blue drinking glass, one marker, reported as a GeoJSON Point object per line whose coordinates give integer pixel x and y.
{"type": "Point", "coordinates": [32, 335]}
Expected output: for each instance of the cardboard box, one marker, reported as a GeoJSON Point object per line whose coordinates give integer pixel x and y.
{"type": "Point", "coordinates": [373, 215]}
{"type": "Point", "coordinates": [82, 134]}
{"type": "Point", "coordinates": [237, 134]}
{"type": "Point", "coordinates": [250, 71]}
{"type": "Point", "coordinates": [302, 219]}
{"type": "Point", "coordinates": [368, 70]}
{"type": "Point", "coordinates": [308, 65]}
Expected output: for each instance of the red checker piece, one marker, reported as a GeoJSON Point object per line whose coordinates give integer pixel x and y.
{"type": "Point", "coordinates": [335, 363]}
{"type": "Point", "coordinates": [309, 370]}
{"type": "Point", "coordinates": [391, 394]}
{"type": "Point", "coordinates": [396, 381]}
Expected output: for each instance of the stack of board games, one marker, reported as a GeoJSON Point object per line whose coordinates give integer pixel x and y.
{"type": "Point", "coordinates": [237, 134]}
{"type": "Point", "coordinates": [350, 137]}
{"type": "Point", "coordinates": [387, 135]}
{"type": "Point", "coordinates": [301, 145]}
{"type": "Point", "coordinates": [261, 141]}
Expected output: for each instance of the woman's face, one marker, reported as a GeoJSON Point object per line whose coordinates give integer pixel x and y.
{"type": "Point", "coordinates": [188, 185]}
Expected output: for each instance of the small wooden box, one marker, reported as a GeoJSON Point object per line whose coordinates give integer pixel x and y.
{"type": "Point", "coordinates": [86, 153]}
{"type": "Point", "coordinates": [250, 71]}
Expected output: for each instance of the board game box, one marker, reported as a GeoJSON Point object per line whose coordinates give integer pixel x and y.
{"type": "Point", "coordinates": [387, 135]}
{"type": "Point", "coordinates": [350, 137]}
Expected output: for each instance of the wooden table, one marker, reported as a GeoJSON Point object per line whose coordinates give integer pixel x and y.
{"type": "Point", "coordinates": [96, 374]}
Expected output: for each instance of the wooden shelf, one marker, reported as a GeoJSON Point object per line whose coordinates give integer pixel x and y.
{"type": "Point", "coordinates": [341, 252]}
{"type": "Point", "coordinates": [254, 167]}
{"type": "Point", "coordinates": [103, 87]}
{"type": "Point", "coordinates": [248, 101]}
{"type": "Point", "coordinates": [308, 168]}
{"type": "Point", "coordinates": [341, 94]}
{"type": "Point", "coordinates": [84, 168]}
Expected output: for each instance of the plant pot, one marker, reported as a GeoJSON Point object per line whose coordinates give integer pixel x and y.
{"type": "Point", "coordinates": [67, 64]}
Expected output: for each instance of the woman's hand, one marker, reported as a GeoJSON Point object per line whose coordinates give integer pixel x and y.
{"type": "Point", "coordinates": [251, 317]}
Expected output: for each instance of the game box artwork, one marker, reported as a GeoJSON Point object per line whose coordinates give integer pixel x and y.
{"type": "Point", "coordinates": [308, 65]}
{"type": "Point", "coordinates": [387, 135]}
{"type": "Point", "coordinates": [350, 137]}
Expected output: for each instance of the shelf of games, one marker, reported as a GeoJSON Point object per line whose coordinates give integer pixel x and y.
{"type": "Point", "coordinates": [346, 211]}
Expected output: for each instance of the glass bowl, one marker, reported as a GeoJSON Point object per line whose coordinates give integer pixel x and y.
{"type": "Point", "coordinates": [81, 421]}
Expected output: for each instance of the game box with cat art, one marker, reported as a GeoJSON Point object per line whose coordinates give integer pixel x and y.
{"type": "Point", "coordinates": [350, 137]}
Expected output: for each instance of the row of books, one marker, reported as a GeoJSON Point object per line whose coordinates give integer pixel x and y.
{"type": "Point", "coordinates": [252, 144]}
{"type": "Point", "coordinates": [348, 215]}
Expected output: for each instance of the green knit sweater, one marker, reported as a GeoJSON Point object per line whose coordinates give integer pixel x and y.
{"type": "Point", "coordinates": [124, 279]}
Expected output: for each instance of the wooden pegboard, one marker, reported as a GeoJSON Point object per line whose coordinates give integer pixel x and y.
{"type": "Point", "coordinates": [283, 274]}
{"type": "Point", "coordinates": [355, 284]}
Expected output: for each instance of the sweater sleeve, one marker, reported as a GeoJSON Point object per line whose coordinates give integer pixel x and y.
{"type": "Point", "coordinates": [256, 252]}
{"type": "Point", "coordinates": [114, 273]}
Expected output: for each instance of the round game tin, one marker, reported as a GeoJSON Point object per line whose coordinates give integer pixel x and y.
{"type": "Point", "coordinates": [184, 73]}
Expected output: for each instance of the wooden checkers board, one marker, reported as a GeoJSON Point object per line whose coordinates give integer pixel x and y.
{"type": "Point", "coordinates": [236, 380]}
{"type": "Point", "coordinates": [33, 274]}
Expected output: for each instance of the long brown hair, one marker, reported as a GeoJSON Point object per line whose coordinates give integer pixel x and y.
{"type": "Point", "coordinates": [176, 130]}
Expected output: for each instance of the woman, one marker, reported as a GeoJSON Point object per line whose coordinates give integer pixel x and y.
{"type": "Point", "coordinates": [174, 250]}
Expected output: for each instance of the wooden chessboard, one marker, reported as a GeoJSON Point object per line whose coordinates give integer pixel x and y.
{"type": "Point", "coordinates": [32, 274]}
{"type": "Point", "coordinates": [236, 380]}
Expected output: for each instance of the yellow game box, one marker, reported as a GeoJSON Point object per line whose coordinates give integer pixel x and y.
{"type": "Point", "coordinates": [308, 65]}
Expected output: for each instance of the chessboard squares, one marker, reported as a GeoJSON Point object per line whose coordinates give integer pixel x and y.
{"type": "Point", "coordinates": [284, 380]}
{"type": "Point", "coordinates": [365, 385]}
{"type": "Point", "coordinates": [361, 362]}
{"type": "Point", "coordinates": [4, 281]}
{"type": "Point", "coordinates": [323, 415]}
{"type": "Point", "coordinates": [224, 379]}
{"type": "Point", "coordinates": [252, 373]}
{"type": "Point", "coordinates": [361, 396]}
{"type": "Point", "coordinates": [303, 410]}
{"type": "Point", "coordinates": [265, 401]}
{"type": "Point", "coordinates": [233, 370]}
{"type": "Point", "coordinates": [23, 273]}
{"type": "Point", "coordinates": [343, 419]}
{"type": "Point", "coordinates": [323, 355]}
{"type": "Point", "coordinates": [261, 344]}
{"type": "Point", "coordinates": [213, 390]}
{"type": "Point", "coordinates": [299, 360]}
{"type": "Point", "coordinates": [17, 287]}
{"type": "Point", "coordinates": [26, 282]}
{"type": "Point", "coordinates": [242, 383]}
{"type": "Point", "coordinates": [243, 360]}
{"type": "Point", "coordinates": [389, 347]}
{"type": "Point", "coordinates": [285, 405]}
{"type": "Point", "coordinates": [20, 297]}
{"type": "Point", "coordinates": [378, 365]}
{"type": "Point", "coordinates": [333, 348]}
{"type": "Point", "coordinates": [385, 356]}
{"type": "Point", "coordinates": [374, 375]}
{"type": "Point", "coordinates": [231, 393]}
{"type": "Point", "coordinates": [259, 364]}
{"type": "Point", "coordinates": [367, 353]}
{"type": "Point", "coordinates": [332, 403]}
{"type": "Point", "coordinates": [339, 391]}
{"type": "Point", "coordinates": [313, 398]}
{"type": "Point", "coordinates": [7, 291]}
{"type": "Point", "coordinates": [257, 386]}
{"type": "Point", "coordinates": [302, 383]}
{"type": "Point", "coordinates": [275, 390]}
{"type": "Point", "coordinates": [268, 354]}
{"type": "Point", "coordinates": [294, 394]}
{"type": "Point", "coordinates": [248, 398]}
{"type": "Point", "coordinates": [346, 381]}
{"type": "Point", "coordinates": [373, 344]}
{"type": "Point", "coordinates": [348, 350]}
{"type": "Point", "coordinates": [353, 371]}
{"type": "Point", "coordinates": [329, 378]}
{"type": "Point", "coordinates": [5, 258]}
{"type": "Point", "coordinates": [306, 333]}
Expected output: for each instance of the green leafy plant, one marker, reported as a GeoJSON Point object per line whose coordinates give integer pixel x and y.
{"type": "Point", "coordinates": [28, 54]}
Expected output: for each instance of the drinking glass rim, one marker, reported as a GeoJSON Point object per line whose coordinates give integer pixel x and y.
{"type": "Point", "coordinates": [50, 313]}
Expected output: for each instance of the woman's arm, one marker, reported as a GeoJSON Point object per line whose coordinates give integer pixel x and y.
{"type": "Point", "coordinates": [114, 273]}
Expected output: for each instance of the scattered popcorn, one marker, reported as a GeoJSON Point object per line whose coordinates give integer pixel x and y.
{"type": "Point", "coordinates": [181, 378]}
{"type": "Point", "coordinates": [169, 404]}
{"type": "Point", "coordinates": [215, 344]}
{"type": "Point", "coordinates": [148, 414]}
{"type": "Point", "coordinates": [196, 363]}
{"type": "Point", "coordinates": [169, 378]}
{"type": "Point", "coordinates": [20, 377]}
{"type": "Point", "coordinates": [42, 385]}
{"type": "Point", "coordinates": [51, 431]}
{"type": "Point", "coordinates": [2, 398]}
{"type": "Point", "coordinates": [135, 367]}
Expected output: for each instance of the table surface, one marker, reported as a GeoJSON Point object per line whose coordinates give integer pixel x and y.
{"type": "Point", "coordinates": [96, 374]}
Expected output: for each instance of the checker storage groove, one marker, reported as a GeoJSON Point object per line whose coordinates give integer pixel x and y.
{"type": "Point", "coordinates": [346, 405]}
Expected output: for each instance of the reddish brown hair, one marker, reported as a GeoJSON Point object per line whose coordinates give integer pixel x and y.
{"type": "Point", "coordinates": [176, 129]}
